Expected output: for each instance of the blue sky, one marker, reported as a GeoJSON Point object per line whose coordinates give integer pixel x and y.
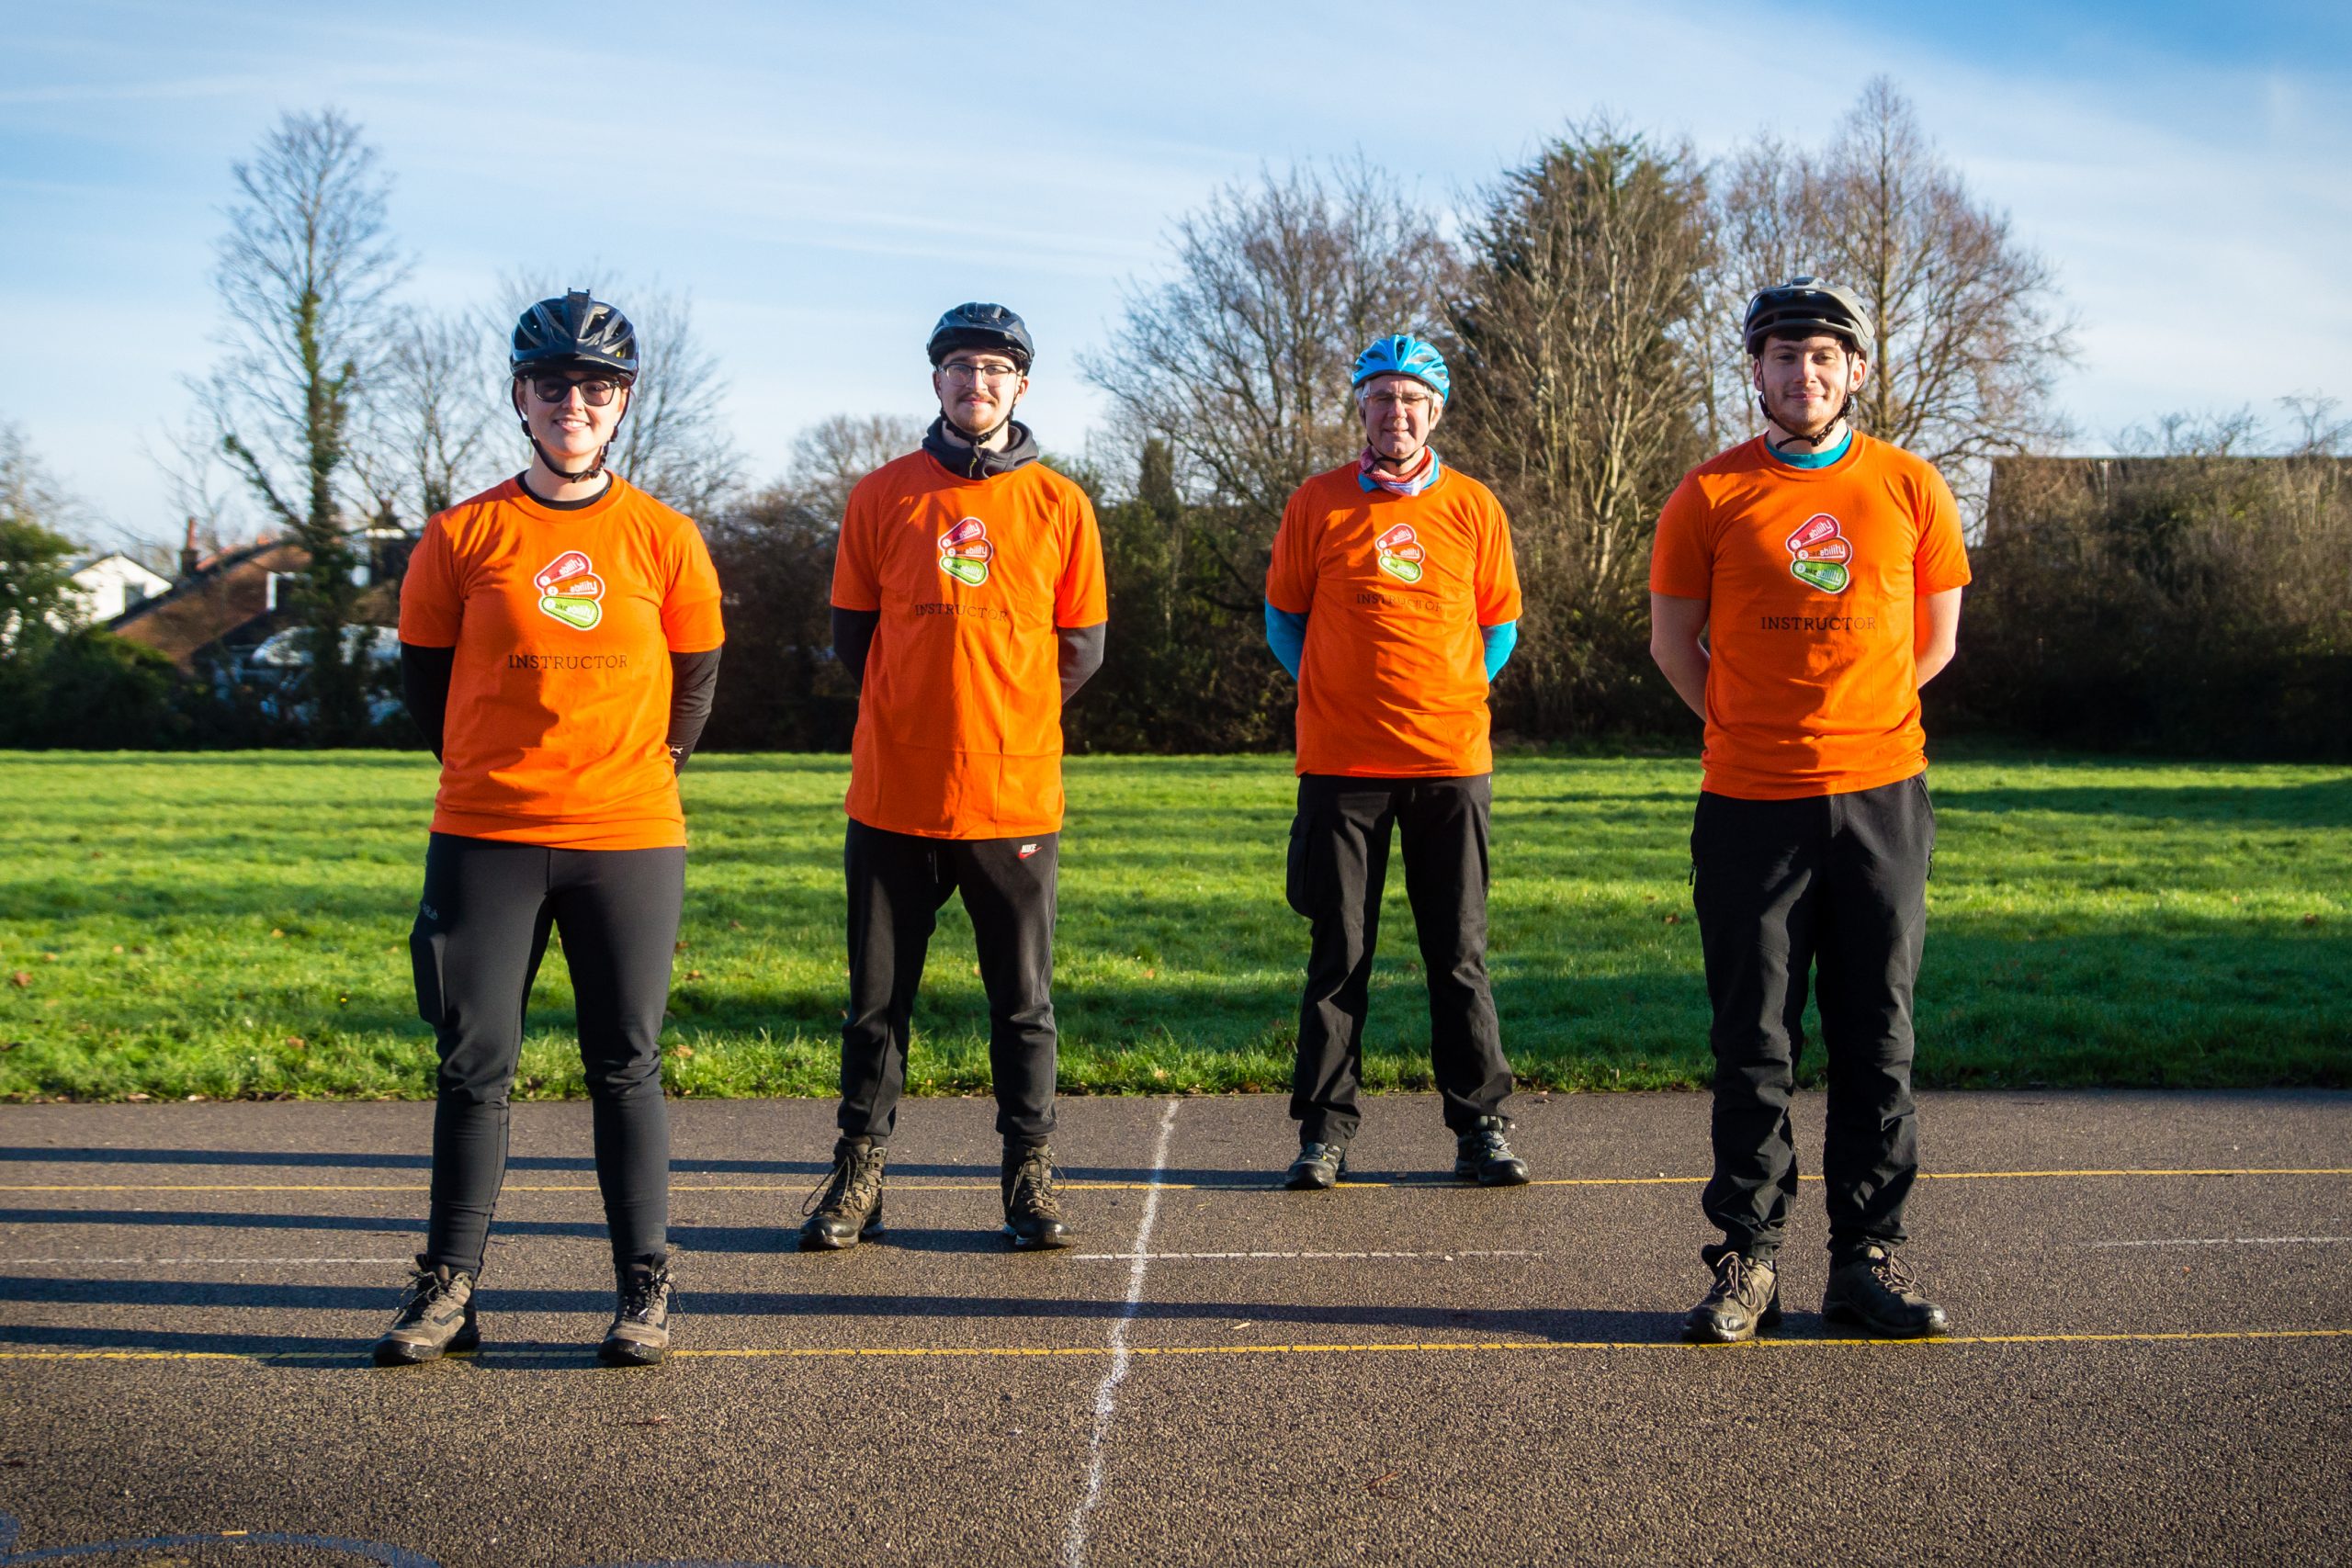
{"type": "Point", "coordinates": [824, 179]}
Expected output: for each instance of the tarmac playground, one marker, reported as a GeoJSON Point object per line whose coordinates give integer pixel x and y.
{"type": "Point", "coordinates": [2152, 1355]}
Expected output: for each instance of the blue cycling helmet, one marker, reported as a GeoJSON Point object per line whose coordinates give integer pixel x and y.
{"type": "Point", "coordinates": [1404, 354]}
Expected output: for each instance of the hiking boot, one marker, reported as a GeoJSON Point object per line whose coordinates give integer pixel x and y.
{"type": "Point", "coordinates": [1317, 1165]}
{"type": "Point", "coordinates": [1747, 1297]}
{"type": "Point", "coordinates": [1873, 1290]}
{"type": "Point", "coordinates": [846, 1207]}
{"type": "Point", "coordinates": [639, 1336]}
{"type": "Point", "coordinates": [436, 1316]}
{"type": "Point", "coordinates": [1033, 1214]}
{"type": "Point", "coordinates": [1483, 1155]}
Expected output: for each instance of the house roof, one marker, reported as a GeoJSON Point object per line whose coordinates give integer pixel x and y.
{"type": "Point", "coordinates": [229, 592]}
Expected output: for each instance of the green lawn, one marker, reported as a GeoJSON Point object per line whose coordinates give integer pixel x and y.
{"type": "Point", "coordinates": [235, 925]}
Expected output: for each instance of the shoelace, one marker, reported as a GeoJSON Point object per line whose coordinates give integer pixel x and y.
{"type": "Point", "coordinates": [1738, 1275]}
{"type": "Point", "coordinates": [424, 1284]}
{"type": "Point", "coordinates": [642, 1293]}
{"type": "Point", "coordinates": [852, 1185]}
{"type": "Point", "coordinates": [1035, 1176]}
{"type": "Point", "coordinates": [1892, 1273]}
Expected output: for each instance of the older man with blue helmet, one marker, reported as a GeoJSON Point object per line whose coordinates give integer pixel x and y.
{"type": "Point", "coordinates": [1393, 599]}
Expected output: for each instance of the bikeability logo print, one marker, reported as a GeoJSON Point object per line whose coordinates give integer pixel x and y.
{"type": "Point", "coordinates": [1400, 553]}
{"type": "Point", "coordinates": [965, 552]}
{"type": "Point", "coordinates": [570, 591]}
{"type": "Point", "coordinates": [1818, 554]}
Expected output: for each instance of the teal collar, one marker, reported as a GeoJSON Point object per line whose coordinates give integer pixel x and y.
{"type": "Point", "coordinates": [1817, 459]}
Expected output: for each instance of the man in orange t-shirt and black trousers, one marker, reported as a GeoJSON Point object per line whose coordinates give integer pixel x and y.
{"type": "Point", "coordinates": [1825, 568]}
{"type": "Point", "coordinates": [969, 604]}
{"type": "Point", "coordinates": [1393, 598]}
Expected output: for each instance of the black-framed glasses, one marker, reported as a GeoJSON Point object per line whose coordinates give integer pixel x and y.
{"type": "Point", "coordinates": [596, 391]}
{"type": "Point", "coordinates": [965, 370]}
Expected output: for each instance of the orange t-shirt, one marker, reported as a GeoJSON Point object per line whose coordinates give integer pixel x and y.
{"type": "Point", "coordinates": [1393, 683]}
{"type": "Point", "coordinates": [960, 729]}
{"type": "Point", "coordinates": [563, 622]}
{"type": "Point", "coordinates": [1811, 578]}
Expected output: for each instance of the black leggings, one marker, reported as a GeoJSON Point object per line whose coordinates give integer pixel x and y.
{"type": "Point", "coordinates": [480, 932]}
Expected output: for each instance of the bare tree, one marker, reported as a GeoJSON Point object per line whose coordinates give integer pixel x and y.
{"type": "Point", "coordinates": [1241, 360]}
{"type": "Point", "coordinates": [830, 456]}
{"type": "Point", "coordinates": [674, 445]}
{"type": "Point", "coordinates": [440, 395]}
{"type": "Point", "coordinates": [305, 271]}
{"type": "Point", "coordinates": [1579, 330]}
{"type": "Point", "coordinates": [1970, 331]}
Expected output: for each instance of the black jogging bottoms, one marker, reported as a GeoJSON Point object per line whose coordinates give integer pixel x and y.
{"type": "Point", "coordinates": [1833, 888]}
{"type": "Point", "coordinates": [897, 884]}
{"type": "Point", "coordinates": [480, 930]}
{"type": "Point", "coordinates": [1338, 866]}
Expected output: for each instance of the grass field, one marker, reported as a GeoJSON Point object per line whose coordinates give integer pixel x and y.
{"type": "Point", "coordinates": [235, 926]}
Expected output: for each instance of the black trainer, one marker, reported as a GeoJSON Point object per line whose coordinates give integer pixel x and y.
{"type": "Point", "coordinates": [1873, 1290]}
{"type": "Point", "coordinates": [435, 1316]}
{"type": "Point", "coordinates": [1483, 1155]}
{"type": "Point", "coordinates": [846, 1207]}
{"type": "Point", "coordinates": [1747, 1297]}
{"type": "Point", "coordinates": [1033, 1214]}
{"type": "Point", "coordinates": [1318, 1165]}
{"type": "Point", "coordinates": [639, 1336]}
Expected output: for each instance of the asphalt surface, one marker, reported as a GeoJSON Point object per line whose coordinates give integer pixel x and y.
{"type": "Point", "coordinates": [2150, 1363]}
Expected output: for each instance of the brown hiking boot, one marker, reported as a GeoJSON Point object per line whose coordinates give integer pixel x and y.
{"type": "Point", "coordinates": [435, 1316]}
{"type": "Point", "coordinates": [1032, 1213]}
{"type": "Point", "coordinates": [639, 1336]}
{"type": "Point", "coordinates": [1747, 1297]}
{"type": "Point", "coordinates": [846, 1207]}
{"type": "Point", "coordinates": [1874, 1292]}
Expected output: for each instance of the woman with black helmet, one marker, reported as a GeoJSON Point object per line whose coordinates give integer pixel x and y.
{"type": "Point", "coordinates": [559, 638]}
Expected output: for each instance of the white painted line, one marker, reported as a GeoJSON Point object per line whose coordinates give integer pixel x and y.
{"type": "Point", "coordinates": [2228, 1241]}
{"type": "Point", "coordinates": [1227, 1257]}
{"type": "Point", "coordinates": [1106, 1392]}
{"type": "Point", "coordinates": [13, 1262]}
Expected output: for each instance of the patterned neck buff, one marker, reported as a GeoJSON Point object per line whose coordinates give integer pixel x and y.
{"type": "Point", "coordinates": [1417, 476]}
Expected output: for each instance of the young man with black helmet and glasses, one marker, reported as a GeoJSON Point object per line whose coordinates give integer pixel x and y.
{"type": "Point", "coordinates": [1824, 569]}
{"type": "Point", "coordinates": [559, 638]}
{"type": "Point", "coordinates": [969, 605]}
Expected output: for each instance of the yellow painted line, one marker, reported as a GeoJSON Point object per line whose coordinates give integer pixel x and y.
{"type": "Point", "coordinates": [983, 1186]}
{"type": "Point", "coordinates": [1396, 1348]}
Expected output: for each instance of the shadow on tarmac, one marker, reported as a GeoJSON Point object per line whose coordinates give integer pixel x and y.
{"type": "Point", "coordinates": [1563, 1323]}
{"type": "Point", "coordinates": [584, 1165]}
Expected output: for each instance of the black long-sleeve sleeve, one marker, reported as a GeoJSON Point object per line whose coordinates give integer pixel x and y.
{"type": "Point", "coordinates": [853, 639]}
{"type": "Point", "coordinates": [424, 687]}
{"type": "Point", "coordinates": [693, 683]}
{"type": "Point", "coordinates": [1082, 655]}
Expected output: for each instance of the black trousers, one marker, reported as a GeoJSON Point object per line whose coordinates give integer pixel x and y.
{"type": "Point", "coordinates": [897, 884]}
{"type": "Point", "coordinates": [1836, 886]}
{"type": "Point", "coordinates": [480, 932]}
{"type": "Point", "coordinates": [1338, 864]}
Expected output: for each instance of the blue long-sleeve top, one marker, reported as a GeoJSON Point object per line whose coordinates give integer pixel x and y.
{"type": "Point", "coordinates": [1286, 635]}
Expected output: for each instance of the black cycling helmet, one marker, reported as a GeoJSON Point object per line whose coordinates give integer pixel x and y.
{"type": "Point", "coordinates": [1805, 306]}
{"type": "Point", "coordinates": [983, 326]}
{"type": "Point", "coordinates": [575, 330]}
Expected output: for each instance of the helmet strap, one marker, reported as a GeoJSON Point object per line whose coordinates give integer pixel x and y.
{"type": "Point", "coordinates": [595, 464]}
{"type": "Point", "coordinates": [980, 441]}
{"type": "Point", "coordinates": [1820, 438]}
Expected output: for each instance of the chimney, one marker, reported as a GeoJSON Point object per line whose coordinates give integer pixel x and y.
{"type": "Point", "coordinates": [188, 556]}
